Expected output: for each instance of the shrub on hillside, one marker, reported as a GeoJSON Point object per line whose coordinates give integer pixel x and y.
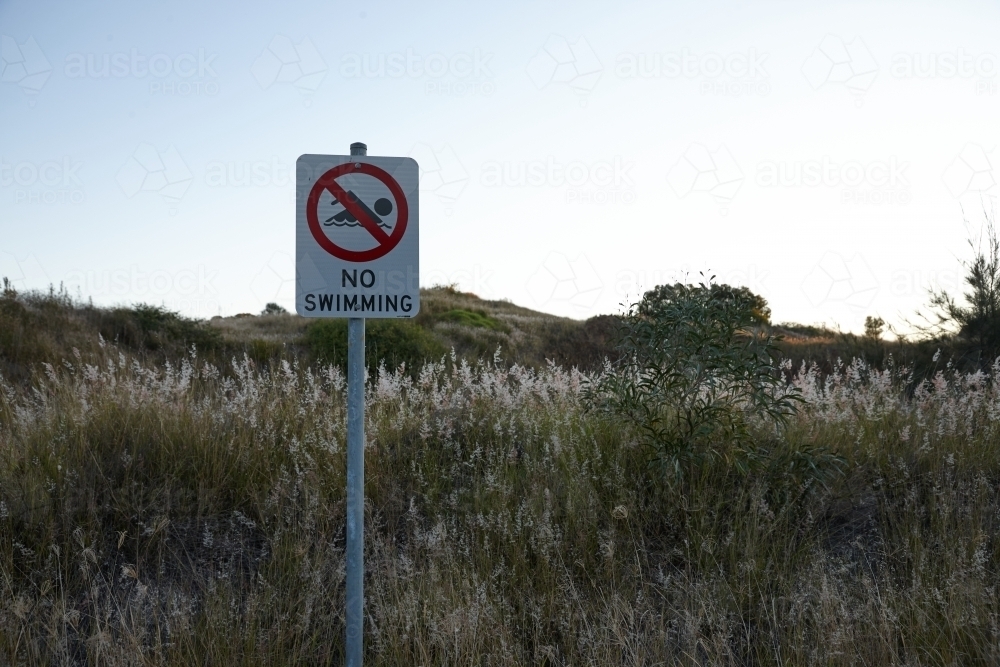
{"type": "Point", "coordinates": [153, 328]}
{"type": "Point", "coordinates": [393, 342]}
{"type": "Point", "coordinates": [471, 318]}
{"type": "Point", "coordinates": [694, 370]}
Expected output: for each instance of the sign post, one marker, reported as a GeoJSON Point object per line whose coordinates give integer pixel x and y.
{"type": "Point", "coordinates": [357, 256]}
{"type": "Point", "coordinates": [355, 552]}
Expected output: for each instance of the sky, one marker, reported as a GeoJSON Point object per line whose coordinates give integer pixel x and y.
{"type": "Point", "coordinates": [833, 157]}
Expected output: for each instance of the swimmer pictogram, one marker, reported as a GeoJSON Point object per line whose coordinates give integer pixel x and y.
{"type": "Point", "coordinates": [356, 213]}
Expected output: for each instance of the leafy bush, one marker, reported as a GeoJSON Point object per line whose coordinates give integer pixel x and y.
{"type": "Point", "coordinates": [393, 342]}
{"type": "Point", "coordinates": [694, 371]}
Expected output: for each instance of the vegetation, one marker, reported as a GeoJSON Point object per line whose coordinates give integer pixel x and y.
{"type": "Point", "coordinates": [390, 342]}
{"type": "Point", "coordinates": [48, 327]}
{"type": "Point", "coordinates": [693, 372]}
{"type": "Point", "coordinates": [874, 327]}
{"type": "Point", "coordinates": [977, 320]}
{"type": "Point", "coordinates": [273, 309]}
{"type": "Point", "coordinates": [195, 515]}
{"type": "Point", "coordinates": [470, 318]}
{"type": "Point", "coordinates": [172, 491]}
{"type": "Point", "coordinates": [476, 328]}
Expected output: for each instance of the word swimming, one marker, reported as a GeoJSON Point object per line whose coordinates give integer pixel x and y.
{"type": "Point", "coordinates": [359, 303]}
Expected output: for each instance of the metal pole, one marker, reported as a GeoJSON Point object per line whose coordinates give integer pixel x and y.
{"type": "Point", "coordinates": [355, 479]}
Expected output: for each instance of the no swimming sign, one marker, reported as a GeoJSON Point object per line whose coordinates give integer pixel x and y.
{"type": "Point", "coordinates": [357, 236]}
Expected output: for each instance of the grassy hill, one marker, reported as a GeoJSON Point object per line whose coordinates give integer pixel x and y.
{"type": "Point", "coordinates": [49, 326]}
{"type": "Point", "coordinates": [36, 327]}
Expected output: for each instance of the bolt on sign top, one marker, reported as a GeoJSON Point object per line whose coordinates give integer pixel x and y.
{"type": "Point", "coordinates": [357, 236]}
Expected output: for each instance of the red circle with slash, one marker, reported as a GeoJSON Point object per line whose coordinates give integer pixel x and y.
{"type": "Point", "coordinates": [386, 242]}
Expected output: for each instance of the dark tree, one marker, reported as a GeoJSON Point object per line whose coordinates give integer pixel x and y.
{"type": "Point", "coordinates": [976, 320]}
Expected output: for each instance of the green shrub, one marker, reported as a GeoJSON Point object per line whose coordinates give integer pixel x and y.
{"type": "Point", "coordinates": [393, 342]}
{"type": "Point", "coordinates": [694, 371]}
{"type": "Point", "coordinates": [471, 318]}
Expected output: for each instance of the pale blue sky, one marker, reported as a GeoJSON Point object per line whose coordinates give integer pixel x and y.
{"type": "Point", "coordinates": [573, 153]}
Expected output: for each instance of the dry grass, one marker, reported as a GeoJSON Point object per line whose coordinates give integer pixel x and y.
{"type": "Point", "coordinates": [270, 328]}
{"type": "Point", "coordinates": [185, 514]}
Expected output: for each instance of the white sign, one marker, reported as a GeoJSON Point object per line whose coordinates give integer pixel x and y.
{"type": "Point", "coordinates": [357, 236]}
